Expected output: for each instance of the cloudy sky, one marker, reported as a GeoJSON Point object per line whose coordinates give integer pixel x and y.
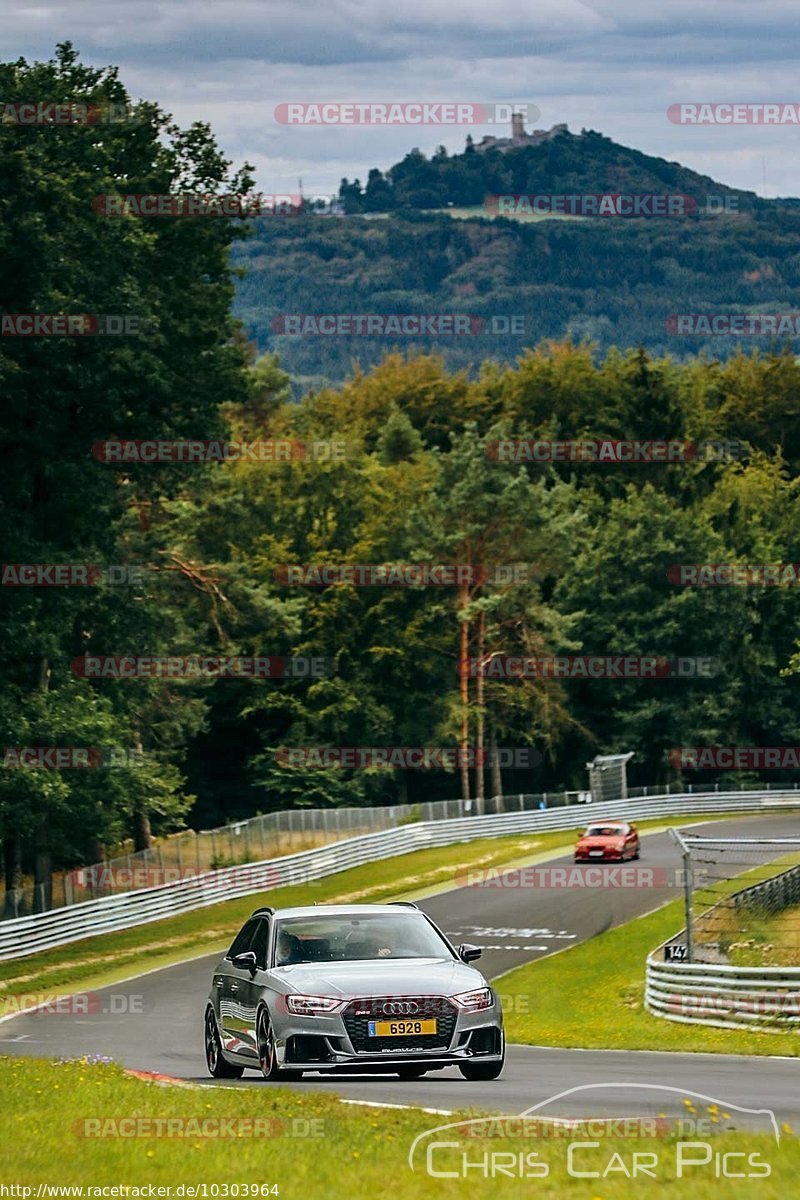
{"type": "Point", "coordinates": [610, 65]}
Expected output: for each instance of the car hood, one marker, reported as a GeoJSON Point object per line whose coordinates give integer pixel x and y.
{"type": "Point", "coordinates": [402, 977]}
{"type": "Point", "coordinates": [601, 843]}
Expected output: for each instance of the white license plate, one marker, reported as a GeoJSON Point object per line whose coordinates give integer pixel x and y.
{"type": "Point", "coordinates": [596, 853]}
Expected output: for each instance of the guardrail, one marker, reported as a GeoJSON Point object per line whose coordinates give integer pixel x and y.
{"type": "Point", "coordinates": [773, 895]}
{"type": "Point", "coordinates": [284, 832]}
{"type": "Point", "coordinates": [724, 995]}
{"type": "Point", "coordinates": [22, 936]}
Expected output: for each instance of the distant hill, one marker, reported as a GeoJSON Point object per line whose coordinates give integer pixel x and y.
{"type": "Point", "coordinates": [614, 280]}
{"type": "Point", "coordinates": [552, 161]}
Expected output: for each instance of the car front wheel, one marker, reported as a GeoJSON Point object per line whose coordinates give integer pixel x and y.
{"type": "Point", "coordinates": [218, 1067]}
{"type": "Point", "coordinates": [480, 1071]}
{"type": "Point", "coordinates": [267, 1055]}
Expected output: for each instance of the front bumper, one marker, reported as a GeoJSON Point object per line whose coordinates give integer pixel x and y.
{"type": "Point", "coordinates": [610, 855]}
{"type": "Point", "coordinates": [333, 1042]}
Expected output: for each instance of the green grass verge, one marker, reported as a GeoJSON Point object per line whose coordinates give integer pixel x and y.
{"type": "Point", "coordinates": [352, 1153]}
{"type": "Point", "coordinates": [547, 1003]}
{"type": "Point", "coordinates": [100, 961]}
{"type": "Point", "coordinates": [749, 935]}
{"type": "Point", "coordinates": [768, 939]}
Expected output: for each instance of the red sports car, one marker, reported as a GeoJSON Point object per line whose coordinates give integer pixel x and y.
{"type": "Point", "coordinates": [609, 842]}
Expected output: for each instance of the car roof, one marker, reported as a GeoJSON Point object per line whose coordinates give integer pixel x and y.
{"type": "Point", "coordinates": [343, 910]}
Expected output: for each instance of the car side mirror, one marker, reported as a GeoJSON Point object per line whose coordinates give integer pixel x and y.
{"type": "Point", "coordinates": [246, 961]}
{"type": "Point", "coordinates": [467, 953]}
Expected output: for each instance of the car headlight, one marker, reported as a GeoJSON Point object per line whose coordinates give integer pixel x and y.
{"type": "Point", "coordinates": [474, 1001]}
{"type": "Point", "coordinates": [312, 1006]}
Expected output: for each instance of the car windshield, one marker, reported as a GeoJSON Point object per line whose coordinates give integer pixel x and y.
{"type": "Point", "coordinates": [371, 936]}
{"type": "Point", "coordinates": [605, 831]}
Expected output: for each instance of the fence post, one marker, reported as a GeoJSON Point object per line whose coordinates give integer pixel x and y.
{"type": "Point", "coordinates": [687, 902]}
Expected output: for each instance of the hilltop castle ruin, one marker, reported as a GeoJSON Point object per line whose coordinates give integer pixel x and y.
{"type": "Point", "coordinates": [519, 137]}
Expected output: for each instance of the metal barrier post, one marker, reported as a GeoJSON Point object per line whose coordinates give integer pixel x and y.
{"type": "Point", "coordinates": [688, 883]}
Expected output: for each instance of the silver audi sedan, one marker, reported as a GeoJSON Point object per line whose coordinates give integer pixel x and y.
{"type": "Point", "coordinates": [344, 988]}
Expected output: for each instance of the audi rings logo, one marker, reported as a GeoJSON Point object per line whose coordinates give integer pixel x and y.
{"type": "Point", "coordinates": [401, 1008]}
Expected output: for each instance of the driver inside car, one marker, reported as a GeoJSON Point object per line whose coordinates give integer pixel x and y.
{"type": "Point", "coordinates": [289, 949]}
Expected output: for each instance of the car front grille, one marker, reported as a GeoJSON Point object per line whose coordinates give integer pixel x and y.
{"type": "Point", "coordinates": [359, 1013]}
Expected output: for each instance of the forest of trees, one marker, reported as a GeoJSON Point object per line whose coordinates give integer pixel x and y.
{"type": "Point", "coordinates": [612, 280]}
{"type": "Point", "coordinates": [418, 483]}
